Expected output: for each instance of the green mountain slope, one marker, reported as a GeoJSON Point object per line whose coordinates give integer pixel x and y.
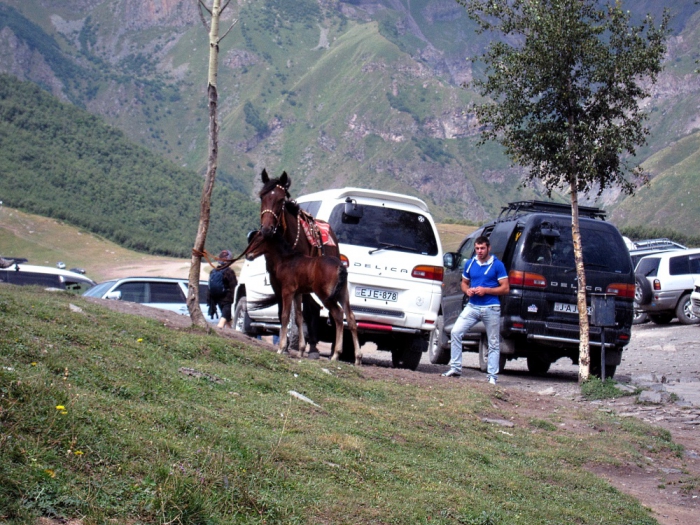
{"type": "Point", "coordinates": [352, 92]}
{"type": "Point", "coordinates": [60, 161]}
{"type": "Point", "coordinates": [675, 184]}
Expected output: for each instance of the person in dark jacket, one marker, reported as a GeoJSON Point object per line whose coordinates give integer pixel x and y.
{"type": "Point", "coordinates": [224, 301]}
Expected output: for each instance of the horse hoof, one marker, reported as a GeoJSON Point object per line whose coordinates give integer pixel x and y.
{"type": "Point", "coordinates": [313, 355]}
{"type": "Point", "coordinates": [358, 360]}
{"type": "Point", "coordinates": [335, 357]}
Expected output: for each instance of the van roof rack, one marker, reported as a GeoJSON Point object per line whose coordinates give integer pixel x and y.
{"type": "Point", "coordinates": [518, 208]}
{"type": "Point", "coordinates": [662, 242]}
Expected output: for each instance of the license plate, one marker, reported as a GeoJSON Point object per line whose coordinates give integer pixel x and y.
{"type": "Point", "coordinates": [375, 293]}
{"type": "Point", "coordinates": [569, 308]}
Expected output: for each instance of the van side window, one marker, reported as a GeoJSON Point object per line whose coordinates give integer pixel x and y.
{"type": "Point", "coordinates": [678, 265]}
{"type": "Point", "coordinates": [133, 292]}
{"type": "Point", "coordinates": [694, 262]}
{"type": "Point", "coordinates": [466, 252]}
{"type": "Point", "coordinates": [166, 293]}
{"type": "Point", "coordinates": [311, 207]}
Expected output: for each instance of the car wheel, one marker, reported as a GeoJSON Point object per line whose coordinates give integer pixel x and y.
{"type": "Point", "coordinates": [538, 365]}
{"type": "Point", "coordinates": [642, 290]}
{"type": "Point", "coordinates": [484, 353]}
{"type": "Point", "coordinates": [407, 352]}
{"type": "Point", "coordinates": [661, 318]}
{"type": "Point", "coordinates": [439, 344]}
{"type": "Point", "coordinates": [684, 312]}
{"type": "Point", "coordinates": [241, 319]}
{"type": "Point", "coordinates": [639, 316]}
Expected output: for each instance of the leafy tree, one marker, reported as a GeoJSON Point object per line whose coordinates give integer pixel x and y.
{"type": "Point", "coordinates": [563, 82]}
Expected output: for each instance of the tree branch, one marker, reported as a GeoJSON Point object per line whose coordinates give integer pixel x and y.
{"type": "Point", "coordinates": [229, 29]}
{"type": "Point", "coordinates": [201, 5]}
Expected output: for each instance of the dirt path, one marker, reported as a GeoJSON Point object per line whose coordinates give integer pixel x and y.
{"type": "Point", "coordinates": [659, 358]}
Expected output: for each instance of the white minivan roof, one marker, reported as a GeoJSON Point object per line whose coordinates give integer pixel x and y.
{"type": "Point", "coordinates": [343, 193]}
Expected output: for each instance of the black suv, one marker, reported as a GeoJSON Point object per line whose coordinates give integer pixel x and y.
{"type": "Point", "coordinates": [539, 316]}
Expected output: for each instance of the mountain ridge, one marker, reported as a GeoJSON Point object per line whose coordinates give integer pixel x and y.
{"type": "Point", "coordinates": [337, 93]}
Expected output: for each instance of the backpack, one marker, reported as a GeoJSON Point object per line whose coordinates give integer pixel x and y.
{"type": "Point", "coordinates": [217, 287]}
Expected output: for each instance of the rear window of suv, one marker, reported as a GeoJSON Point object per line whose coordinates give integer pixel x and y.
{"type": "Point", "coordinates": [381, 227]}
{"type": "Point", "coordinates": [648, 266]}
{"type": "Point", "coordinates": [603, 248]}
{"type": "Point", "coordinates": [684, 264]}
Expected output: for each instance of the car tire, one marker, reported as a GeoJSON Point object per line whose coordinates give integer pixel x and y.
{"type": "Point", "coordinates": [484, 356]}
{"type": "Point", "coordinates": [538, 365]}
{"type": "Point", "coordinates": [642, 290]}
{"type": "Point", "coordinates": [439, 344]}
{"type": "Point", "coordinates": [241, 319]}
{"type": "Point", "coordinates": [639, 316]}
{"type": "Point", "coordinates": [684, 312]}
{"type": "Point", "coordinates": [661, 318]}
{"type": "Point", "coordinates": [407, 352]}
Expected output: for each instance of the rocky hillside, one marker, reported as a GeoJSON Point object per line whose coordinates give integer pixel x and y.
{"type": "Point", "coordinates": [354, 92]}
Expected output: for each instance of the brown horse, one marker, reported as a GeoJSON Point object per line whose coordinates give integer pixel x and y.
{"type": "Point", "coordinates": [278, 213]}
{"type": "Point", "coordinates": [298, 274]}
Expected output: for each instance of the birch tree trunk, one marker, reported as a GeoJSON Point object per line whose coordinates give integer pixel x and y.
{"type": "Point", "coordinates": [584, 354]}
{"type": "Point", "coordinates": [205, 207]}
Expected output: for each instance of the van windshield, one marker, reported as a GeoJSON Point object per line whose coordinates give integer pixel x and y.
{"type": "Point", "coordinates": [550, 243]}
{"type": "Point", "coordinates": [385, 228]}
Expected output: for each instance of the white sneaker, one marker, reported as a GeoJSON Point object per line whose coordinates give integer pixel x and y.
{"type": "Point", "coordinates": [492, 380]}
{"type": "Point", "coordinates": [452, 373]}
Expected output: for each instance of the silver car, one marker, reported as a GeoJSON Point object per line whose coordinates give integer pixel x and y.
{"type": "Point", "coordinates": [166, 293]}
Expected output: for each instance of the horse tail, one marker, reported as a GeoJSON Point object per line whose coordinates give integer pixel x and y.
{"type": "Point", "coordinates": [264, 302]}
{"type": "Point", "coordinates": [341, 286]}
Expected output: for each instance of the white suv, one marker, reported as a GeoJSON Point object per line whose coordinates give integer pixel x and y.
{"type": "Point", "coordinates": [664, 284]}
{"type": "Point", "coordinates": [394, 257]}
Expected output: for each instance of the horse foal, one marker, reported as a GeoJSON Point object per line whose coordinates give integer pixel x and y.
{"type": "Point", "coordinates": [294, 275]}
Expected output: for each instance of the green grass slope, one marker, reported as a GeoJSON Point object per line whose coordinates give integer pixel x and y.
{"type": "Point", "coordinates": [107, 416]}
{"type": "Point", "coordinates": [654, 209]}
{"type": "Point", "coordinates": [62, 162]}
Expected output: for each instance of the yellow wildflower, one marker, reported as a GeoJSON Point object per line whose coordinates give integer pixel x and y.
{"type": "Point", "coordinates": [139, 340]}
{"type": "Point", "coordinates": [78, 452]}
{"type": "Point", "coordinates": [50, 473]}
{"type": "Point", "coordinates": [60, 407]}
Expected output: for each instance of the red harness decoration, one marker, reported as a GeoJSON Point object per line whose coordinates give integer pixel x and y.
{"type": "Point", "coordinates": [317, 233]}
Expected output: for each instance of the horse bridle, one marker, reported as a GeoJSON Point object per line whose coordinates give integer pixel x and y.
{"type": "Point", "coordinates": [279, 219]}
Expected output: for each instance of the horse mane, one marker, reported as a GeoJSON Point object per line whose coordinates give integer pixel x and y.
{"type": "Point", "coordinates": [292, 207]}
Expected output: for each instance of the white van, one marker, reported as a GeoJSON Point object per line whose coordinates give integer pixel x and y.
{"type": "Point", "coordinates": [392, 250]}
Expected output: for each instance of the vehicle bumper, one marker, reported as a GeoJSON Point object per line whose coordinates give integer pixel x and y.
{"type": "Point", "coordinates": [661, 302]}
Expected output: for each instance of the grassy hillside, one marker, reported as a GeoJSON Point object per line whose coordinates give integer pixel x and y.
{"type": "Point", "coordinates": [107, 416]}
{"type": "Point", "coordinates": [653, 210]}
{"type": "Point", "coordinates": [59, 161]}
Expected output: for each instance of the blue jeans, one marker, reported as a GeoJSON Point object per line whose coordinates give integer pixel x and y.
{"type": "Point", "coordinates": [491, 317]}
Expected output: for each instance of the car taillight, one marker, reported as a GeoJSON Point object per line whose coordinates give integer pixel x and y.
{"type": "Point", "coordinates": [433, 273]}
{"type": "Point", "coordinates": [344, 260]}
{"type": "Point", "coordinates": [621, 290]}
{"type": "Point", "coordinates": [532, 280]}
{"type": "Point", "coordinates": [657, 285]}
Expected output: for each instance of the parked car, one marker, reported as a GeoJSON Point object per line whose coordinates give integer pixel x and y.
{"type": "Point", "coordinates": [642, 249]}
{"type": "Point", "coordinates": [46, 276]}
{"type": "Point", "coordinates": [665, 282]}
{"type": "Point", "coordinates": [540, 319]}
{"type": "Point", "coordinates": [695, 299]}
{"type": "Point", "coordinates": [61, 265]}
{"type": "Point", "coordinates": [158, 292]}
{"type": "Point", "coordinates": [394, 259]}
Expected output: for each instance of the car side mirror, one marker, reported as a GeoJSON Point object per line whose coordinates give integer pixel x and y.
{"type": "Point", "coordinates": [352, 209]}
{"type": "Point", "coordinates": [117, 295]}
{"type": "Point", "coordinates": [450, 260]}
